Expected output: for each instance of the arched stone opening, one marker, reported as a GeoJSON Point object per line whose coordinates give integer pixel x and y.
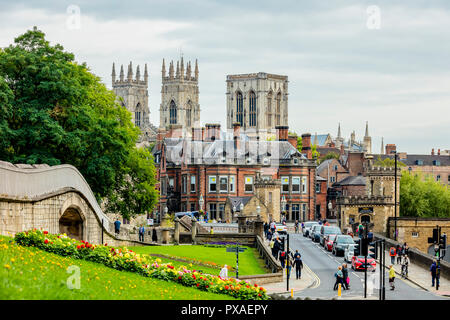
{"type": "Point", "coordinates": [71, 223]}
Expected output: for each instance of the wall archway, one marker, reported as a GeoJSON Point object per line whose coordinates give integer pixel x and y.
{"type": "Point", "coordinates": [72, 224]}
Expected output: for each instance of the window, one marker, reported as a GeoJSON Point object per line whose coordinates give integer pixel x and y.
{"type": "Point", "coordinates": [137, 118]}
{"type": "Point", "coordinates": [304, 212]}
{"type": "Point", "coordinates": [213, 211]}
{"type": "Point", "coordinates": [192, 184]}
{"type": "Point", "coordinates": [335, 167]}
{"type": "Point", "coordinates": [278, 110]}
{"type": "Point", "coordinates": [295, 184]}
{"type": "Point", "coordinates": [448, 178]}
{"type": "Point", "coordinates": [232, 184]}
{"type": "Point", "coordinates": [284, 184]}
{"type": "Point", "coordinates": [248, 184]}
{"type": "Point", "coordinates": [332, 179]}
{"type": "Point", "coordinates": [295, 212]}
{"type": "Point", "coordinates": [184, 184]}
{"type": "Point", "coordinates": [239, 108]}
{"type": "Point", "coordinates": [173, 112]}
{"type": "Point", "coordinates": [270, 197]}
{"type": "Point", "coordinates": [304, 185]}
{"type": "Point", "coordinates": [318, 187]}
{"type": "Point", "coordinates": [212, 184]}
{"type": "Point", "coordinates": [171, 182]}
{"type": "Point", "coordinates": [252, 109]}
{"type": "Point", "coordinates": [222, 211]}
{"type": "Point", "coordinates": [188, 113]}
{"type": "Point", "coordinates": [223, 184]}
{"type": "Point", "coordinates": [193, 206]}
{"type": "Point", "coordinates": [269, 109]}
{"type": "Point", "coordinates": [438, 177]}
{"type": "Point", "coordinates": [415, 234]}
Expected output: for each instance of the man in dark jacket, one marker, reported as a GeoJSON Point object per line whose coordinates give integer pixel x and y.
{"type": "Point", "coordinates": [434, 273]}
{"type": "Point", "coordinates": [276, 247]}
{"type": "Point", "coordinates": [298, 263]}
{"type": "Point", "coordinates": [117, 226]}
{"type": "Point", "coordinates": [345, 276]}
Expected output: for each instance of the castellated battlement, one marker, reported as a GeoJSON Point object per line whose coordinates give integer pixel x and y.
{"type": "Point", "coordinates": [365, 200]}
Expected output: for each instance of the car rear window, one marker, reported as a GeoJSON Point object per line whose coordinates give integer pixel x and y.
{"type": "Point", "coordinates": [345, 239]}
{"type": "Point", "coordinates": [332, 237]}
{"type": "Point", "coordinates": [310, 224]}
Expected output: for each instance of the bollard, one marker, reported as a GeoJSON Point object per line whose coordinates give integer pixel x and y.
{"type": "Point", "coordinates": [292, 293]}
{"type": "Point", "coordinates": [339, 290]}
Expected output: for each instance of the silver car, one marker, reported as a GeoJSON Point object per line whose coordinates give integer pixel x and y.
{"type": "Point", "coordinates": [349, 252]}
{"type": "Point", "coordinates": [307, 227]}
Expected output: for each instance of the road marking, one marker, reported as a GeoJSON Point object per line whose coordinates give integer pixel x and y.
{"type": "Point", "coordinates": [317, 282]}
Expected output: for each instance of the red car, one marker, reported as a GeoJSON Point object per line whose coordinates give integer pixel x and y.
{"type": "Point", "coordinates": [358, 263]}
{"type": "Point", "coordinates": [329, 241]}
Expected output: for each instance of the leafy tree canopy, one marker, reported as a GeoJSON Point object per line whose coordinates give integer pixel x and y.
{"type": "Point", "coordinates": [54, 111]}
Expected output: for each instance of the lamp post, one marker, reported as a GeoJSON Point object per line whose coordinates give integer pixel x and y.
{"type": "Point", "coordinates": [330, 207]}
{"type": "Point", "coordinates": [166, 211]}
{"type": "Point", "coordinates": [241, 208]}
{"type": "Point", "coordinates": [258, 212]}
{"type": "Point", "coordinates": [200, 203]}
{"type": "Point", "coordinates": [283, 205]}
{"type": "Point", "coordinates": [395, 197]}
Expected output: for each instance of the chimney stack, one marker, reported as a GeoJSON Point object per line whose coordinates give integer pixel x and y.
{"type": "Point", "coordinates": [236, 134]}
{"type": "Point", "coordinates": [293, 140]}
{"type": "Point", "coordinates": [197, 134]}
{"type": "Point", "coordinates": [439, 152]}
{"type": "Point", "coordinates": [282, 133]}
{"type": "Point", "coordinates": [212, 131]}
{"type": "Point", "coordinates": [432, 152]}
{"type": "Point", "coordinates": [306, 145]}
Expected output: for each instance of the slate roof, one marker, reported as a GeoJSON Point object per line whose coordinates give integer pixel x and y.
{"type": "Point", "coordinates": [411, 159]}
{"type": "Point", "coordinates": [236, 201]}
{"type": "Point", "coordinates": [351, 181]}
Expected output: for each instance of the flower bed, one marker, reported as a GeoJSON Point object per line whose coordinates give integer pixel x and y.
{"type": "Point", "coordinates": [127, 260]}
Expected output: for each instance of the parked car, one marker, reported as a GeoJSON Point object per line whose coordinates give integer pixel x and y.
{"type": "Point", "coordinates": [350, 252]}
{"type": "Point", "coordinates": [329, 239]}
{"type": "Point", "coordinates": [280, 228]}
{"type": "Point", "coordinates": [326, 230]}
{"type": "Point", "coordinates": [358, 263]}
{"type": "Point", "coordinates": [340, 243]}
{"type": "Point", "coordinates": [315, 233]}
{"type": "Point", "coordinates": [308, 226]}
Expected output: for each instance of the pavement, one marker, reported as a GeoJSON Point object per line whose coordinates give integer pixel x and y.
{"type": "Point", "coordinates": [421, 277]}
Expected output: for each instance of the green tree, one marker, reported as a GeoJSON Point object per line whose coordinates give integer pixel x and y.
{"type": "Point", "coordinates": [387, 162]}
{"type": "Point", "coordinates": [58, 112]}
{"type": "Point", "coordinates": [330, 155]}
{"type": "Point", "coordinates": [422, 196]}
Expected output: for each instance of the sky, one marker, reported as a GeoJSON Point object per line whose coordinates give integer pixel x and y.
{"type": "Point", "coordinates": [386, 62]}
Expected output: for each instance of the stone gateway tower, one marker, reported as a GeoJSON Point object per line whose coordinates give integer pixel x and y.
{"type": "Point", "coordinates": [133, 93]}
{"type": "Point", "coordinates": [258, 102]}
{"type": "Point", "coordinates": [179, 97]}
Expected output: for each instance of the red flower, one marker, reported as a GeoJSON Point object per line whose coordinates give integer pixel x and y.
{"type": "Point", "coordinates": [197, 284]}
{"type": "Point", "coordinates": [226, 287]}
{"type": "Point", "coordinates": [46, 241]}
{"type": "Point", "coordinates": [78, 247]}
{"type": "Point", "coordinates": [256, 285]}
{"type": "Point", "coordinates": [106, 244]}
{"type": "Point", "coordinates": [259, 294]}
{"type": "Point", "coordinates": [179, 277]}
{"type": "Point", "coordinates": [207, 286]}
{"type": "Point", "coordinates": [45, 232]}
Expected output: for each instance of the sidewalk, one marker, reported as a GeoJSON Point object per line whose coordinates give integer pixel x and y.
{"type": "Point", "coordinates": [420, 277]}
{"type": "Point", "coordinates": [307, 280]}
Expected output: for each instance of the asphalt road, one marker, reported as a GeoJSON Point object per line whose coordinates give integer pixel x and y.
{"type": "Point", "coordinates": [324, 264]}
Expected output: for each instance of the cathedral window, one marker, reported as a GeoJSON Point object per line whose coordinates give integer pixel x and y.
{"type": "Point", "coordinates": [278, 110]}
{"type": "Point", "coordinates": [239, 109]}
{"type": "Point", "coordinates": [173, 113]}
{"type": "Point", "coordinates": [189, 114]}
{"type": "Point", "coordinates": [252, 109]}
{"type": "Point", "coordinates": [137, 118]}
{"type": "Point", "coordinates": [269, 110]}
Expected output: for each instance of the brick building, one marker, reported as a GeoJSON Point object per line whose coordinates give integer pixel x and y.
{"type": "Point", "coordinates": [215, 166]}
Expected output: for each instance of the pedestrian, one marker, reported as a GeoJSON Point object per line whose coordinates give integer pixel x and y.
{"type": "Point", "coordinates": [399, 252]}
{"type": "Point", "coordinates": [391, 277]}
{"type": "Point", "coordinates": [283, 258]}
{"type": "Point", "coordinates": [303, 226]}
{"type": "Point", "coordinates": [272, 245]}
{"type": "Point", "coordinates": [405, 265]}
{"type": "Point", "coordinates": [211, 230]}
{"type": "Point", "coordinates": [117, 226]}
{"type": "Point", "coordinates": [339, 276]}
{"type": "Point", "coordinates": [298, 263]}
{"type": "Point", "coordinates": [224, 272]}
{"type": "Point", "coordinates": [405, 249]}
{"type": "Point", "coordinates": [296, 226]}
{"type": "Point", "coordinates": [276, 247]}
{"type": "Point", "coordinates": [370, 236]}
{"type": "Point", "coordinates": [345, 278]}
{"type": "Point", "coordinates": [141, 233]}
{"type": "Point", "coordinates": [288, 267]}
{"type": "Point", "coordinates": [360, 230]}
{"type": "Point", "coordinates": [266, 229]}
{"type": "Point", "coordinates": [392, 253]}
{"type": "Point", "coordinates": [434, 274]}
{"type": "Point", "coordinates": [272, 227]}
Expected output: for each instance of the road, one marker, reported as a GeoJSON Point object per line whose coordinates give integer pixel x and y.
{"type": "Point", "coordinates": [324, 264]}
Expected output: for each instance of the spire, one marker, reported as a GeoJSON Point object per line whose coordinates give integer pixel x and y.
{"type": "Point", "coordinates": [196, 70]}
{"type": "Point", "coordinates": [163, 71]}
{"type": "Point", "coordinates": [188, 71]}
{"type": "Point", "coordinates": [367, 129]}
{"type": "Point", "coordinates": [171, 70]}
{"type": "Point", "coordinates": [130, 72]}
{"type": "Point", "coordinates": [178, 70]}
{"type": "Point", "coordinates": [113, 74]}
{"type": "Point", "coordinates": [182, 69]}
{"type": "Point", "coordinates": [316, 141]}
{"type": "Point", "coordinates": [382, 145]}
{"type": "Point", "coordinates": [138, 74]}
{"type": "Point", "coordinates": [121, 73]}
{"type": "Point", "coordinates": [146, 74]}
{"type": "Point", "coordinates": [339, 131]}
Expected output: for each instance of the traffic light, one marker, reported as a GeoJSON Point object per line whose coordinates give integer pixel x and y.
{"type": "Point", "coordinates": [443, 244]}
{"type": "Point", "coordinates": [372, 250]}
{"type": "Point", "coordinates": [435, 237]}
{"type": "Point", "coordinates": [364, 247]}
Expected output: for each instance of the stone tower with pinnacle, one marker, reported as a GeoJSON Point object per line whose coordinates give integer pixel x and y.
{"type": "Point", "coordinates": [179, 96]}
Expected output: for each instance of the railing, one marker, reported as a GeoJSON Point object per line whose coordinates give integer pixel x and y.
{"type": "Point", "coordinates": [266, 254]}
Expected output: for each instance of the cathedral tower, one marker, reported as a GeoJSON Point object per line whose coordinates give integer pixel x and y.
{"type": "Point", "coordinates": [133, 94]}
{"type": "Point", "coordinates": [179, 96]}
{"type": "Point", "coordinates": [367, 142]}
{"type": "Point", "coordinates": [258, 101]}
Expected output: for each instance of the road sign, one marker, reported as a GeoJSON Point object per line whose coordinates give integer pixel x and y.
{"type": "Point", "coordinates": [234, 249]}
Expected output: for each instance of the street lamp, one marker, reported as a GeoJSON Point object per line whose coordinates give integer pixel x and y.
{"type": "Point", "coordinates": [258, 212]}
{"type": "Point", "coordinates": [283, 204]}
{"type": "Point", "coordinates": [166, 210]}
{"type": "Point", "coordinates": [330, 207]}
{"type": "Point", "coordinates": [241, 208]}
{"type": "Point", "coordinates": [201, 202]}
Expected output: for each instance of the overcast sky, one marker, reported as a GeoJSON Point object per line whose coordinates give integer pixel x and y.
{"type": "Point", "coordinates": [344, 65]}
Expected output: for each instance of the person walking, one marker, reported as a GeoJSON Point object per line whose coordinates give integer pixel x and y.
{"type": "Point", "coordinates": [370, 236]}
{"type": "Point", "coordinates": [339, 276]}
{"type": "Point", "coordinates": [224, 272]}
{"type": "Point", "coordinates": [288, 267]}
{"type": "Point", "coordinates": [405, 265]}
{"type": "Point", "coordinates": [141, 233]}
{"type": "Point", "coordinates": [391, 277]}
{"type": "Point", "coordinates": [283, 259]}
{"type": "Point", "coordinates": [272, 245]}
{"type": "Point", "coordinates": [392, 253]}
{"type": "Point", "coordinates": [405, 249]}
{"type": "Point", "coordinates": [360, 230]}
{"type": "Point", "coordinates": [399, 253]}
{"type": "Point", "coordinates": [298, 263]}
{"type": "Point", "coordinates": [434, 274]}
{"type": "Point", "coordinates": [266, 229]}
{"type": "Point", "coordinates": [296, 226]}
{"type": "Point", "coordinates": [272, 227]}
{"type": "Point", "coordinates": [117, 226]}
{"type": "Point", "coordinates": [345, 278]}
